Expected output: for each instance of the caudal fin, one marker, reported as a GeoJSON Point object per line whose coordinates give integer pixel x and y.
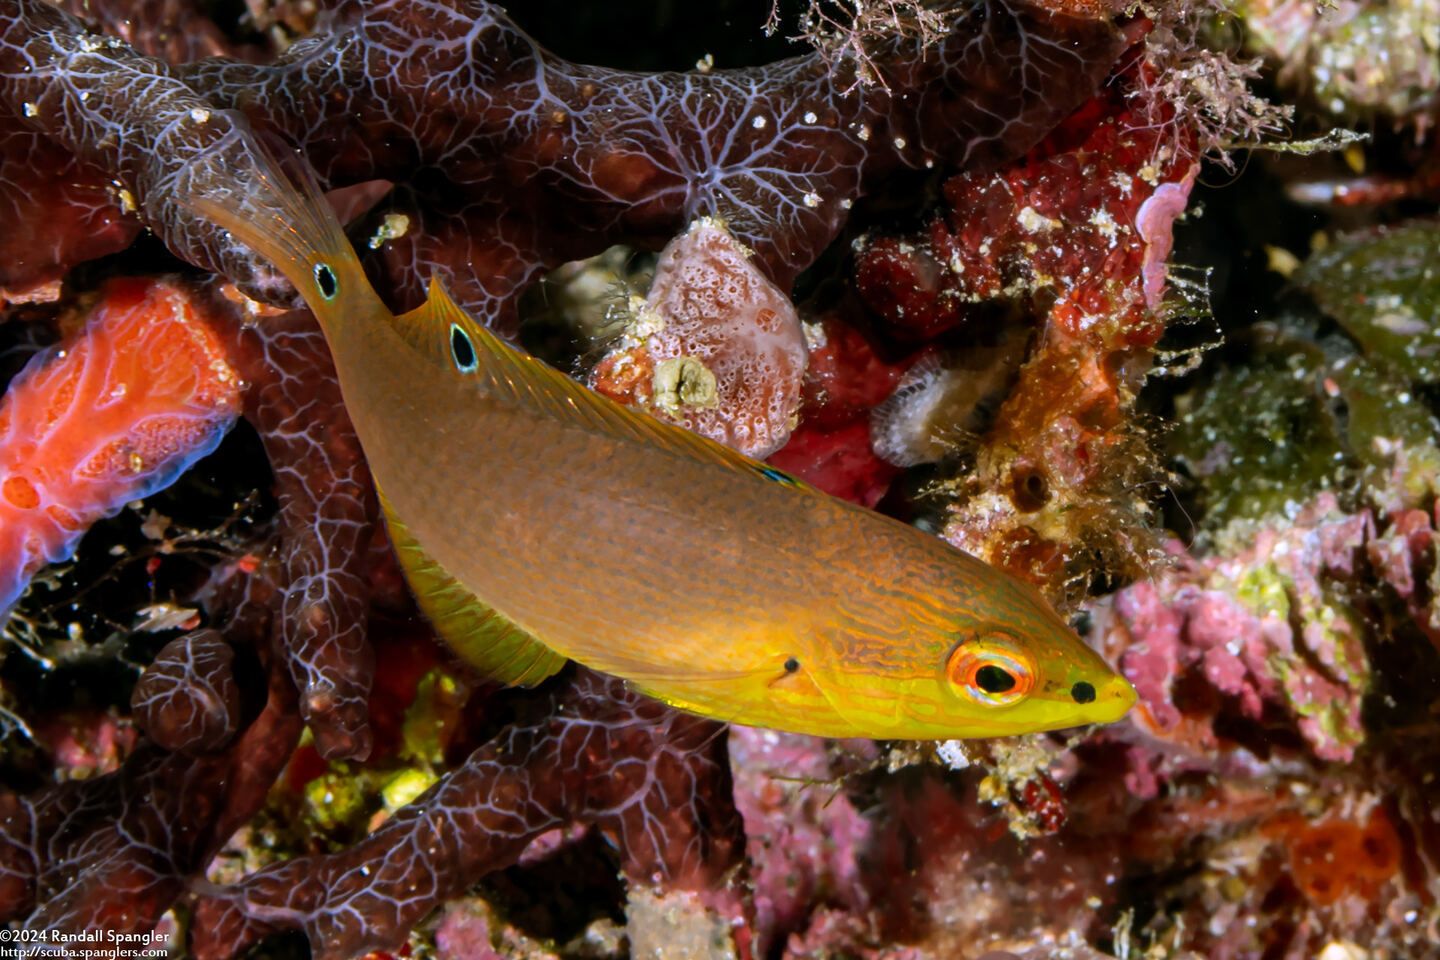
{"type": "Point", "coordinates": [293, 228]}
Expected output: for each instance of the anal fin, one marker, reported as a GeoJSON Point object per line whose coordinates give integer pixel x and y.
{"type": "Point", "coordinates": [481, 636]}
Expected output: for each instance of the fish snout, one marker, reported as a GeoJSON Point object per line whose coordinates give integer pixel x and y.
{"type": "Point", "coordinates": [1113, 700]}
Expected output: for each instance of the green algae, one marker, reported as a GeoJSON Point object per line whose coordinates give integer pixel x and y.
{"type": "Point", "coordinates": [1297, 413]}
{"type": "Point", "coordinates": [1263, 591]}
{"type": "Point", "coordinates": [433, 718]}
{"type": "Point", "coordinates": [1260, 437]}
{"type": "Point", "coordinates": [1330, 632]}
{"type": "Point", "coordinates": [1360, 62]}
{"type": "Point", "coordinates": [349, 798]}
{"type": "Point", "coordinates": [1383, 58]}
{"type": "Point", "coordinates": [1323, 677]}
{"type": "Point", "coordinates": [336, 800]}
{"type": "Point", "coordinates": [1384, 289]}
{"type": "Point", "coordinates": [405, 786]}
{"type": "Point", "coordinates": [1392, 433]}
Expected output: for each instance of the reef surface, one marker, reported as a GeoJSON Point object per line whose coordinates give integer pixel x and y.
{"type": "Point", "coordinates": [924, 257]}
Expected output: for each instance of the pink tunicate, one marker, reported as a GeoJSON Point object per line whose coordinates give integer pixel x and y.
{"type": "Point", "coordinates": [1155, 221]}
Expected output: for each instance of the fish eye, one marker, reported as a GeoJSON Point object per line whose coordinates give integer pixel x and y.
{"type": "Point", "coordinates": [991, 670]}
{"type": "Point", "coordinates": [462, 350]}
{"type": "Point", "coordinates": [994, 679]}
{"type": "Point", "coordinates": [325, 280]}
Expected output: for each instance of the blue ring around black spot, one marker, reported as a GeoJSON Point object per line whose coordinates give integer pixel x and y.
{"type": "Point", "coordinates": [325, 280]}
{"type": "Point", "coordinates": [461, 349]}
{"type": "Point", "coordinates": [780, 477]}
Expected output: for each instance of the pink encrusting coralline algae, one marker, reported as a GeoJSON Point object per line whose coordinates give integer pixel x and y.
{"type": "Point", "coordinates": [109, 416]}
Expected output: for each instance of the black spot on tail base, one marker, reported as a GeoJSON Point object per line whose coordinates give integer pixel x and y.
{"type": "Point", "coordinates": [325, 280]}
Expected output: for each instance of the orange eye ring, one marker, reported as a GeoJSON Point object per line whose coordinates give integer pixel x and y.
{"type": "Point", "coordinates": [991, 671]}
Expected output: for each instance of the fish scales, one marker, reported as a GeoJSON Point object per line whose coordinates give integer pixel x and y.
{"type": "Point", "coordinates": [539, 521]}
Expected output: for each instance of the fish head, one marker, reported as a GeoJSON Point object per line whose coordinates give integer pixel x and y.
{"type": "Point", "coordinates": [1012, 665]}
{"type": "Point", "coordinates": [999, 662]}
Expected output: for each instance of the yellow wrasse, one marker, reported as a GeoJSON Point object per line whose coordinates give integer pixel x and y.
{"type": "Point", "coordinates": [537, 521]}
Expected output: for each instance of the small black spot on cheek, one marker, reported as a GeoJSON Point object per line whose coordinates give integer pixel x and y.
{"type": "Point", "coordinates": [461, 349]}
{"type": "Point", "coordinates": [791, 665]}
{"type": "Point", "coordinates": [325, 280]}
{"type": "Point", "coordinates": [1083, 692]}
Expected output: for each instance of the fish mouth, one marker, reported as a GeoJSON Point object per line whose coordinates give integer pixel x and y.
{"type": "Point", "coordinates": [1113, 700]}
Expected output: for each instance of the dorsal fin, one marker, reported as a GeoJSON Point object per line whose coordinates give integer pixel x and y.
{"type": "Point", "coordinates": [513, 377]}
{"type": "Point", "coordinates": [483, 637]}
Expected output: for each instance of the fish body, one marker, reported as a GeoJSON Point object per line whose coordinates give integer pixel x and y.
{"type": "Point", "coordinates": [538, 521]}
